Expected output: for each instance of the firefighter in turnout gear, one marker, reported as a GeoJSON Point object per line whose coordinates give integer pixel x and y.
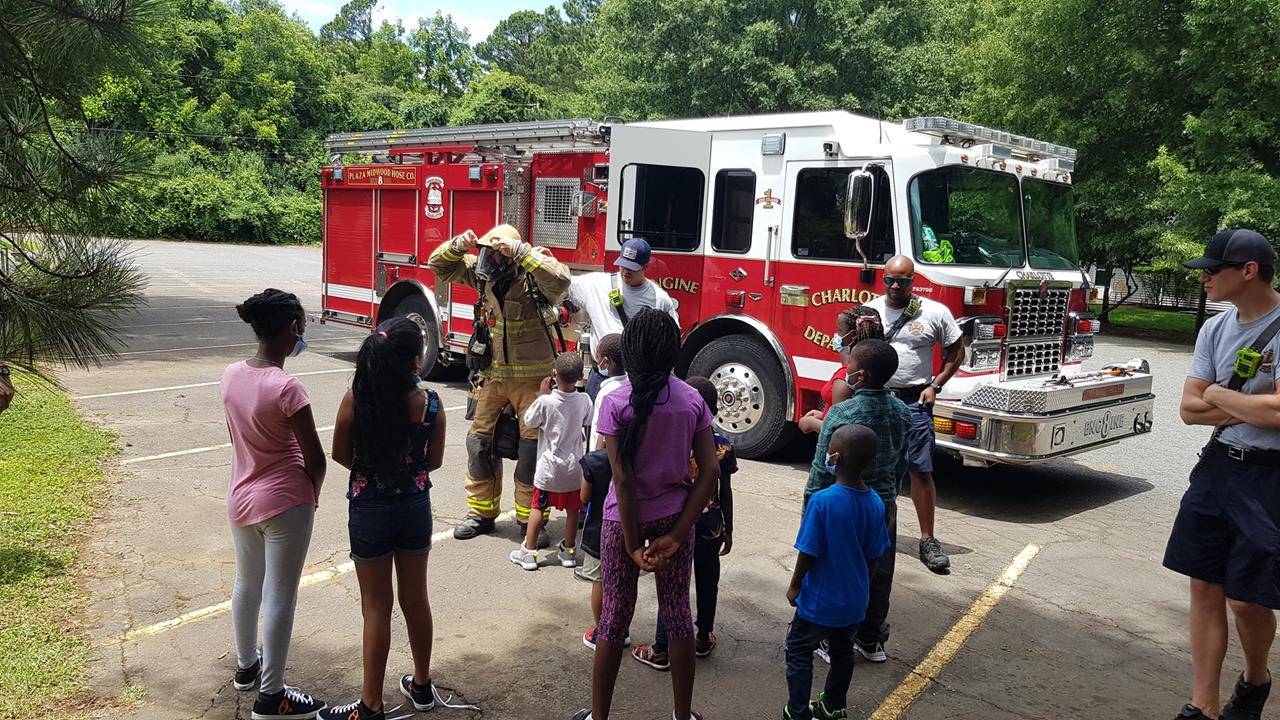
{"type": "Point", "coordinates": [518, 355]}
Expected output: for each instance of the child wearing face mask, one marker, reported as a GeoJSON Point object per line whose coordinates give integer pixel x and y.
{"type": "Point", "coordinates": [870, 365]}
{"type": "Point", "coordinates": [853, 325]}
{"type": "Point", "coordinates": [277, 468]}
{"type": "Point", "coordinates": [841, 536]}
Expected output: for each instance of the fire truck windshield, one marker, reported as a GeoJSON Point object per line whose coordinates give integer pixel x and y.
{"type": "Point", "coordinates": [1051, 225]}
{"type": "Point", "coordinates": [966, 216]}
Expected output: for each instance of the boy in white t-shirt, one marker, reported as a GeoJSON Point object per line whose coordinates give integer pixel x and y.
{"type": "Point", "coordinates": [561, 415]}
{"type": "Point", "coordinates": [609, 359]}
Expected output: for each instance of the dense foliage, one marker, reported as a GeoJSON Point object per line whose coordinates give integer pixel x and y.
{"type": "Point", "coordinates": [1174, 104]}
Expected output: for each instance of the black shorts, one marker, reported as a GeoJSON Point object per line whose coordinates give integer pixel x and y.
{"type": "Point", "coordinates": [920, 438]}
{"type": "Point", "coordinates": [1227, 531]}
{"type": "Point", "coordinates": [382, 527]}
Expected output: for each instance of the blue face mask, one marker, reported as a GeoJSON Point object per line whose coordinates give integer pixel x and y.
{"type": "Point", "coordinates": [298, 347]}
{"type": "Point", "coordinates": [837, 341]}
{"type": "Point", "coordinates": [831, 465]}
{"type": "Point", "coordinates": [417, 379]}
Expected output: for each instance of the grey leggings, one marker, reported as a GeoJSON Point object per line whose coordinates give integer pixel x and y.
{"type": "Point", "coordinates": [269, 560]}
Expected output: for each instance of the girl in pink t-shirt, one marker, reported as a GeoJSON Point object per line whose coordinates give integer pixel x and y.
{"type": "Point", "coordinates": [650, 428]}
{"type": "Point", "coordinates": [277, 468]}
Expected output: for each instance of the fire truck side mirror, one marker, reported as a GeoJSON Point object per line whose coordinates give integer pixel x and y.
{"type": "Point", "coordinates": [858, 204]}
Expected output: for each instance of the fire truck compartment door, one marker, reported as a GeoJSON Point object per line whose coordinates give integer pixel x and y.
{"type": "Point", "coordinates": [349, 236]}
{"type": "Point", "coordinates": [640, 154]}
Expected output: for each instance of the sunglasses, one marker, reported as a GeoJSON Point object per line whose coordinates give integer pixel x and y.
{"type": "Point", "coordinates": [891, 281]}
{"type": "Point", "coordinates": [1215, 270]}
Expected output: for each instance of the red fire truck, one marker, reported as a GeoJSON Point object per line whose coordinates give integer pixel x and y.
{"type": "Point", "coordinates": [763, 228]}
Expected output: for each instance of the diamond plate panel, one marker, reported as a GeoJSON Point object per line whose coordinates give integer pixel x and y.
{"type": "Point", "coordinates": [554, 224]}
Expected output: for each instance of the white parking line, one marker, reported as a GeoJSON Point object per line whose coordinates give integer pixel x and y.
{"type": "Point", "coordinates": [223, 446]}
{"type": "Point", "coordinates": [314, 578]}
{"type": "Point", "coordinates": [195, 385]}
{"type": "Point", "coordinates": [180, 322]}
{"type": "Point", "coordinates": [215, 347]}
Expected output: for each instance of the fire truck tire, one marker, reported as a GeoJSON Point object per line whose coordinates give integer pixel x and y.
{"type": "Point", "coordinates": [417, 309]}
{"type": "Point", "coordinates": [752, 390]}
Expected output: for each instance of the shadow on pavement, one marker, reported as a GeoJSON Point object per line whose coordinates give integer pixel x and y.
{"type": "Point", "coordinates": [1039, 494]}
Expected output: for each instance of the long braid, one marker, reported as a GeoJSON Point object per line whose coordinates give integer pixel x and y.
{"type": "Point", "coordinates": [650, 344]}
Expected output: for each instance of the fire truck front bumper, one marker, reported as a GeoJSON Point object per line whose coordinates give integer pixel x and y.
{"type": "Point", "coordinates": [1042, 420]}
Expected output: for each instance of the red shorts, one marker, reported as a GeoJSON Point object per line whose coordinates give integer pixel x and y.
{"type": "Point", "coordinates": [559, 500]}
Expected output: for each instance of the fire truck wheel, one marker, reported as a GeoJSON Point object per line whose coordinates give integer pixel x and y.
{"type": "Point", "coordinates": [416, 308]}
{"type": "Point", "coordinates": [752, 390]}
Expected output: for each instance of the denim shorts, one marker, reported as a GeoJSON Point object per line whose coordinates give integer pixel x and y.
{"type": "Point", "coordinates": [1227, 531]}
{"type": "Point", "coordinates": [382, 527]}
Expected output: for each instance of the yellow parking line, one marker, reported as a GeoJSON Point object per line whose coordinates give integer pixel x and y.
{"type": "Point", "coordinates": [932, 665]}
{"type": "Point", "coordinates": [314, 578]}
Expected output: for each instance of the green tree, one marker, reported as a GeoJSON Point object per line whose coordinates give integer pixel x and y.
{"type": "Point", "coordinates": [502, 97]}
{"type": "Point", "coordinates": [62, 292]}
{"type": "Point", "coordinates": [1224, 169]}
{"type": "Point", "coordinates": [547, 48]}
{"type": "Point", "coordinates": [444, 54]}
{"type": "Point", "coordinates": [353, 24]}
{"type": "Point", "coordinates": [665, 58]}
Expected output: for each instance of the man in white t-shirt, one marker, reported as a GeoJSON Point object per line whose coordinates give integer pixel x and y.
{"type": "Point", "coordinates": [914, 326]}
{"type": "Point", "coordinates": [609, 299]}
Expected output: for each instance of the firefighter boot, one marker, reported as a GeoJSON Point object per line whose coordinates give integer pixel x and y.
{"type": "Point", "coordinates": [471, 526]}
{"type": "Point", "coordinates": [483, 483]}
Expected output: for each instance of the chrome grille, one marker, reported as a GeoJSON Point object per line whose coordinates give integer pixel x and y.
{"type": "Point", "coordinates": [1036, 314]}
{"type": "Point", "coordinates": [1027, 359]}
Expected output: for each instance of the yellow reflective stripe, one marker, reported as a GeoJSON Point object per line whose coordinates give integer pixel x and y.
{"type": "Point", "coordinates": [517, 326]}
{"type": "Point", "coordinates": [449, 254]}
{"type": "Point", "coordinates": [483, 504]}
{"type": "Point", "coordinates": [513, 372]}
{"type": "Point", "coordinates": [531, 261]}
{"type": "Point", "coordinates": [522, 512]}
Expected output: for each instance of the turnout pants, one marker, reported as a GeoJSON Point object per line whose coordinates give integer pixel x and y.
{"type": "Point", "coordinates": [484, 470]}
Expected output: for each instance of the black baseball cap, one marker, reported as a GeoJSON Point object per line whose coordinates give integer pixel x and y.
{"type": "Point", "coordinates": [1234, 247]}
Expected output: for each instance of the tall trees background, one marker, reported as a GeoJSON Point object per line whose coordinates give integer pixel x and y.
{"type": "Point", "coordinates": [1174, 104]}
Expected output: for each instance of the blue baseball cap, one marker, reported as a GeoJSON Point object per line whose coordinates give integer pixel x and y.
{"type": "Point", "coordinates": [634, 255]}
{"type": "Point", "coordinates": [1234, 247]}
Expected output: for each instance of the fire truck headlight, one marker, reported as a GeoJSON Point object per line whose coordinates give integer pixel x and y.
{"type": "Point", "coordinates": [983, 356]}
{"type": "Point", "coordinates": [1079, 348]}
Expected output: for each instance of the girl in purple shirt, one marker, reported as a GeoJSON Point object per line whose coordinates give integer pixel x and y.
{"type": "Point", "coordinates": [652, 506]}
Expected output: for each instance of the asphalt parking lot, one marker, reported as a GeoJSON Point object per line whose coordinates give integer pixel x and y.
{"type": "Point", "coordinates": [1093, 626]}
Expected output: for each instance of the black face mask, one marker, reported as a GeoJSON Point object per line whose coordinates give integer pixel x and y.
{"type": "Point", "coordinates": [492, 266]}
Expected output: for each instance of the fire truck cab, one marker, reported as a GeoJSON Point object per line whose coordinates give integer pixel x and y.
{"type": "Point", "coordinates": [763, 229]}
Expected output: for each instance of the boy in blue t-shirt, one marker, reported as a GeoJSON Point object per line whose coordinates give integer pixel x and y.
{"type": "Point", "coordinates": [841, 535]}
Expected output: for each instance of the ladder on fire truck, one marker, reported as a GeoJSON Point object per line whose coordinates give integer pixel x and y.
{"type": "Point", "coordinates": [541, 134]}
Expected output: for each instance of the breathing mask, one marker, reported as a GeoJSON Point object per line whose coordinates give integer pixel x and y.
{"type": "Point", "coordinates": [491, 264]}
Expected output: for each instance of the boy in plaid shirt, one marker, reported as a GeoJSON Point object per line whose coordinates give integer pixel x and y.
{"type": "Point", "coordinates": [871, 364]}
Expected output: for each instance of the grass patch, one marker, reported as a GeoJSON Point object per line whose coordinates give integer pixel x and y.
{"type": "Point", "coordinates": [1165, 324]}
{"type": "Point", "coordinates": [51, 479]}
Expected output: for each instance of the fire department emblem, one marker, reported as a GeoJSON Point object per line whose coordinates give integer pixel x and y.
{"type": "Point", "coordinates": [915, 327]}
{"type": "Point", "coordinates": [434, 208]}
{"type": "Point", "coordinates": [738, 274]}
{"type": "Point", "coordinates": [1044, 288]}
{"type": "Point", "coordinates": [768, 200]}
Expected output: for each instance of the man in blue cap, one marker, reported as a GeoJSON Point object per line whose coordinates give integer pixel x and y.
{"type": "Point", "coordinates": [1226, 537]}
{"type": "Point", "coordinates": [609, 299]}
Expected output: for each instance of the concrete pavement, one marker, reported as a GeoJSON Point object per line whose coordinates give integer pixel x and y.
{"type": "Point", "coordinates": [1094, 626]}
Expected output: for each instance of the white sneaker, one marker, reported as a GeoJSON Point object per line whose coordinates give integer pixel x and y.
{"type": "Point", "coordinates": [568, 555]}
{"type": "Point", "coordinates": [524, 557]}
{"type": "Point", "coordinates": [871, 653]}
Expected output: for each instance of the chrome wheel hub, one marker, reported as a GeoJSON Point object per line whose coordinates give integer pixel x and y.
{"type": "Point", "coordinates": [741, 398]}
